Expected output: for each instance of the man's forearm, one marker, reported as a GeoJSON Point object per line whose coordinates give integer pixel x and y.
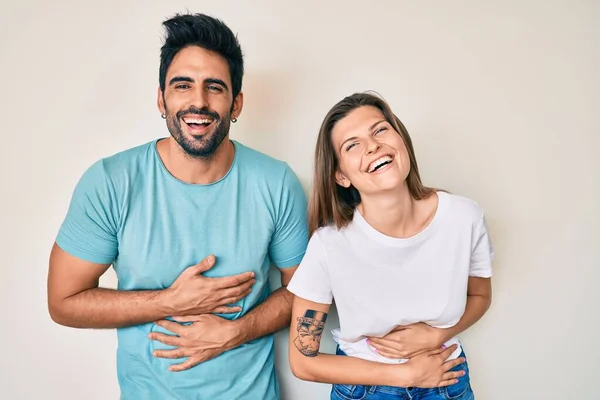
{"type": "Point", "coordinates": [475, 308]}
{"type": "Point", "coordinates": [270, 316]}
{"type": "Point", "coordinates": [101, 308]}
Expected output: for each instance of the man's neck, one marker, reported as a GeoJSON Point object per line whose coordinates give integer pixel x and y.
{"type": "Point", "coordinates": [198, 171]}
{"type": "Point", "coordinates": [397, 214]}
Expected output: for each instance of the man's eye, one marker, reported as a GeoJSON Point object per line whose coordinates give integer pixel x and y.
{"type": "Point", "coordinates": [182, 86]}
{"type": "Point", "coordinates": [214, 88]}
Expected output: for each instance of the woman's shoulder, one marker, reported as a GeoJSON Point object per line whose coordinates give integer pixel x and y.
{"type": "Point", "coordinates": [460, 205]}
{"type": "Point", "coordinates": [329, 234]}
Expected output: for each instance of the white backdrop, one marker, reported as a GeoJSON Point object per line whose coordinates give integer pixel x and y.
{"type": "Point", "coordinates": [501, 98]}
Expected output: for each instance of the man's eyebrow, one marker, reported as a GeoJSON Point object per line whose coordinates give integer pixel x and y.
{"type": "Point", "coordinates": [176, 79]}
{"type": "Point", "coordinates": [217, 81]}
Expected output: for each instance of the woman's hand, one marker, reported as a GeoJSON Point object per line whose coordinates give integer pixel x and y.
{"type": "Point", "coordinates": [408, 341]}
{"type": "Point", "coordinates": [430, 370]}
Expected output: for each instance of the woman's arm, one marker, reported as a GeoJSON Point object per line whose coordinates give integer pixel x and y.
{"type": "Point", "coordinates": [411, 340]}
{"type": "Point", "coordinates": [307, 363]}
{"type": "Point", "coordinates": [479, 299]}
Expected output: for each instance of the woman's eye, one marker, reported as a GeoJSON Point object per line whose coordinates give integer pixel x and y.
{"type": "Point", "coordinates": [350, 146]}
{"type": "Point", "coordinates": [380, 130]}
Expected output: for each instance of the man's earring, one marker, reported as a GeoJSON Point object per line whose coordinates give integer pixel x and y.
{"type": "Point", "coordinates": [163, 116]}
{"type": "Point", "coordinates": [234, 120]}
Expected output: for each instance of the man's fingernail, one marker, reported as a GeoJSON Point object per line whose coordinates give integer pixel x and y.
{"type": "Point", "coordinates": [444, 347]}
{"type": "Point", "coordinates": [368, 341]}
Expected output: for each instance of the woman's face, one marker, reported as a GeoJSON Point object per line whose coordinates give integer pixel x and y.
{"type": "Point", "coordinates": [372, 155]}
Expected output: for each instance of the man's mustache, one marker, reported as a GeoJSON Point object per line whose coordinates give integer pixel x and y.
{"type": "Point", "coordinates": [198, 111]}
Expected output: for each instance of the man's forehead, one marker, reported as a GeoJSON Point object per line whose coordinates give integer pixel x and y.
{"type": "Point", "coordinates": [195, 61]}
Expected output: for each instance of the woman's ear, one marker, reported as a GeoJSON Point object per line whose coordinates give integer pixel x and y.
{"type": "Point", "coordinates": [341, 179]}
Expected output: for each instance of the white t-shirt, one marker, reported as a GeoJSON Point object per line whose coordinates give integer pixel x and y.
{"type": "Point", "coordinates": [379, 282]}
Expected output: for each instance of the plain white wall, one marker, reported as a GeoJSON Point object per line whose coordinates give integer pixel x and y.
{"type": "Point", "coordinates": [501, 99]}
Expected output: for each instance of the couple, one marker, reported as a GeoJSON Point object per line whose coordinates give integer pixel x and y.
{"type": "Point", "coordinates": [408, 266]}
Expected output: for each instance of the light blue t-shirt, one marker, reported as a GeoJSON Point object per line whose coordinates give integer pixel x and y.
{"type": "Point", "coordinates": [128, 210]}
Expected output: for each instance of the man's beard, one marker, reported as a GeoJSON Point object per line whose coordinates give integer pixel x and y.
{"type": "Point", "coordinates": [203, 146]}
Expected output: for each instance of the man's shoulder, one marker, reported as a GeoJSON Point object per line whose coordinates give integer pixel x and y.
{"type": "Point", "coordinates": [118, 167]}
{"type": "Point", "coordinates": [128, 159]}
{"type": "Point", "coordinates": [261, 164]}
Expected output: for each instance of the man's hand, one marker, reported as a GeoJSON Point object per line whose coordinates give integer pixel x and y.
{"type": "Point", "coordinates": [430, 370]}
{"type": "Point", "coordinates": [194, 294]}
{"type": "Point", "coordinates": [207, 337]}
{"type": "Point", "coordinates": [408, 341]}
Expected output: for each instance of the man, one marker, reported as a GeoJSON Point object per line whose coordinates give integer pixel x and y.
{"type": "Point", "coordinates": [189, 326]}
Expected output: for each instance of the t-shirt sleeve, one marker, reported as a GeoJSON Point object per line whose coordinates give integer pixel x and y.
{"type": "Point", "coordinates": [311, 280]}
{"type": "Point", "coordinates": [290, 236]}
{"type": "Point", "coordinates": [89, 230]}
{"type": "Point", "coordinates": [482, 252]}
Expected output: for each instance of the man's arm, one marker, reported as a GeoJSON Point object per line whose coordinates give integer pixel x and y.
{"type": "Point", "coordinates": [75, 300]}
{"type": "Point", "coordinates": [270, 316]}
{"type": "Point", "coordinates": [209, 335]}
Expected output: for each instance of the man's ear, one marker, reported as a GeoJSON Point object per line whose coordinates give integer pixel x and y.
{"type": "Point", "coordinates": [160, 101]}
{"type": "Point", "coordinates": [341, 179]}
{"type": "Point", "coordinates": [238, 104]}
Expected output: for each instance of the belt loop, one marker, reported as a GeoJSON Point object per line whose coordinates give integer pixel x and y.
{"type": "Point", "coordinates": [372, 389]}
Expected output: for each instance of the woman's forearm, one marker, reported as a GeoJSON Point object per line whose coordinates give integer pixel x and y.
{"type": "Point", "coordinates": [327, 368]}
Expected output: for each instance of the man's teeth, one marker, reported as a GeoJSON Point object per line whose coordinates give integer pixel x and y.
{"type": "Point", "coordinates": [197, 121]}
{"type": "Point", "coordinates": [377, 163]}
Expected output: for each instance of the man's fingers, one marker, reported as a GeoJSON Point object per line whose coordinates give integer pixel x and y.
{"type": "Point", "coordinates": [172, 326]}
{"type": "Point", "coordinates": [207, 263]}
{"type": "Point", "coordinates": [227, 310]}
{"type": "Point", "coordinates": [233, 281]}
{"type": "Point", "coordinates": [187, 318]}
{"type": "Point", "coordinates": [166, 339]}
{"type": "Point", "coordinates": [203, 266]}
{"type": "Point", "coordinates": [236, 298]}
{"type": "Point", "coordinates": [175, 353]}
{"type": "Point", "coordinates": [187, 364]}
{"type": "Point", "coordinates": [236, 293]}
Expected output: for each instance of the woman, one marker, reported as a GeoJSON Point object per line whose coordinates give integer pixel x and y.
{"type": "Point", "coordinates": [409, 267]}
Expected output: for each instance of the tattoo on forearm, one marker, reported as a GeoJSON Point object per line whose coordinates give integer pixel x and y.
{"type": "Point", "coordinates": [310, 328]}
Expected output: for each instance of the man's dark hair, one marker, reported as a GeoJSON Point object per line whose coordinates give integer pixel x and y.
{"type": "Point", "coordinates": [201, 30]}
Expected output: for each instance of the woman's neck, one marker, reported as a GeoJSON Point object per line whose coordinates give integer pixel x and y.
{"type": "Point", "coordinates": [398, 214]}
